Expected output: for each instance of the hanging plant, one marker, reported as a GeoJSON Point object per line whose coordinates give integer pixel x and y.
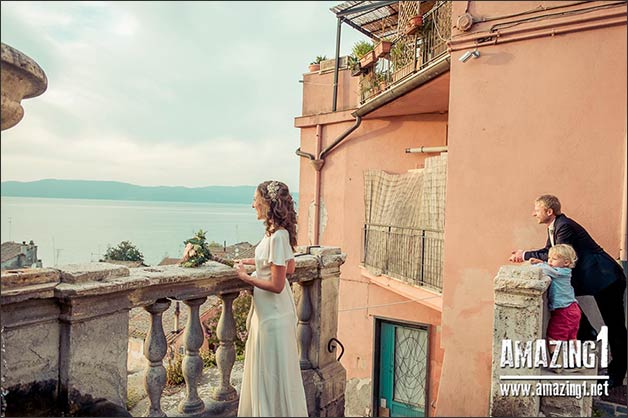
{"type": "Point", "coordinates": [200, 253]}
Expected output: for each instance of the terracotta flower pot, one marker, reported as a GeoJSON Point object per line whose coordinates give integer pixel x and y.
{"type": "Point", "coordinates": [368, 60]}
{"type": "Point", "coordinates": [314, 67]}
{"type": "Point", "coordinates": [382, 48]}
{"type": "Point", "coordinates": [414, 24]}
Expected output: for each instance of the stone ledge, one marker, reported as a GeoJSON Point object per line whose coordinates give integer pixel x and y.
{"type": "Point", "coordinates": [13, 278]}
{"type": "Point", "coordinates": [142, 283]}
{"type": "Point", "coordinates": [91, 272]}
{"type": "Point", "coordinates": [524, 279]}
{"type": "Point", "coordinates": [21, 294]}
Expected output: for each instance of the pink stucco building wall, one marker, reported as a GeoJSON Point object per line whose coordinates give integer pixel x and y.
{"type": "Point", "coordinates": [529, 117]}
{"type": "Point", "coordinates": [534, 114]}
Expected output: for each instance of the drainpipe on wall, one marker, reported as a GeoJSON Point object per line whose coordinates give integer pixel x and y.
{"type": "Point", "coordinates": [623, 251]}
{"type": "Point", "coordinates": [318, 163]}
{"type": "Point", "coordinates": [318, 166]}
{"type": "Point", "coordinates": [430, 72]}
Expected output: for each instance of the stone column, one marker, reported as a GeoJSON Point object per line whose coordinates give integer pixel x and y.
{"type": "Point", "coordinates": [155, 348]}
{"type": "Point", "coordinates": [225, 397]}
{"type": "Point", "coordinates": [94, 335]}
{"type": "Point", "coordinates": [192, 363]}
{"type": "Point", "coordinates": [519, 316]}
{"type": "Point", "coordinates": [326, 379]}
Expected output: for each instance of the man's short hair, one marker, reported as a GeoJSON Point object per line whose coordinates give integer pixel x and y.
{"type": "Point", "coordinates": [550, 202]}
{"type": "Point", "coordinates": [566, 252]}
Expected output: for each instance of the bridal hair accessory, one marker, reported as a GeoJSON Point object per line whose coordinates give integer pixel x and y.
{"type": "Point", "coordinates": [273, 188]}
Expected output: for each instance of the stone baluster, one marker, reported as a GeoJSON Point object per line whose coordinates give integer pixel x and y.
{"type": "Point", "coordinates": [304, 330]}
{"type": "Point", "coordinates": [225, 396]}
{"type": "Point", "coordinates": [155, 348]}
{"type": "Point", "coordinates": [192, 365]}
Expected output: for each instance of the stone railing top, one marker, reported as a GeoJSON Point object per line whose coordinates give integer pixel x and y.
{"type": "Point", "coordinates": [143, 285]}
{"type": "Point", "coordinates": [523, 278]}
{"type": "Point", "coordinates": [38, 82]}
{"type": "Point", "coordinates": [91, 272]}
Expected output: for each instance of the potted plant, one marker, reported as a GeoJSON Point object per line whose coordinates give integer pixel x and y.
{"type": "Point", "coordinates": [414, 24]}
{"type": "Point", "coordinates": [316, 64]}
{"type": "Point", "coordinates": [354, 66]}
{"type": "Point", "coordinates": [363, 51]}
{"type": "Point", "coordinates": [382, 48]}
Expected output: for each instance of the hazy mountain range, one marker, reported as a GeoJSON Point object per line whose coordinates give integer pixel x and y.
{"type": "Point", "coordinates": [114, 190]}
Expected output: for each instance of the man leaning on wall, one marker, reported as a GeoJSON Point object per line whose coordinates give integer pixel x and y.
{"type": "Point", "coordinates": [596, 274]}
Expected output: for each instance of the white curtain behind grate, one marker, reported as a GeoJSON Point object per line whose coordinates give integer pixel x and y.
{"type": "Point", "coordinates": [405, 217]}
{"type": "Point", "coordinates": [411, 200]}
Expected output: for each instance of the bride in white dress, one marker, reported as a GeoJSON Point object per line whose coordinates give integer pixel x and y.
{"type": "Point", "coordinates": [272, 384]}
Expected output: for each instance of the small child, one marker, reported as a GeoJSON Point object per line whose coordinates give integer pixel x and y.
{"type": "Point", "coordinates": [564, 310]}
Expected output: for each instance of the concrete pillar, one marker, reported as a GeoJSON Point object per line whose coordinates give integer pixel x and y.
{"type": "Point", "coordinates": [521, 315]}
{"type": "Point", "coordinates": [519, 307]}
{"type": "Point", "coordinates": [325, 381]}
{"type": "Point", "coordinates": [93, 345]}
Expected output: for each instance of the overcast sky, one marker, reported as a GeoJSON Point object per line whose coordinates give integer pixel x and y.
{"type": "Point", "coordinates": [165, 93]}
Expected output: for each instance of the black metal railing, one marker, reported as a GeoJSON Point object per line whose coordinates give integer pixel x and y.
{"type": "Point", "coordinates": [412, 255]}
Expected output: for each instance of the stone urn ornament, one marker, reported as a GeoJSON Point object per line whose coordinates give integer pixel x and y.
{"type": "Point", "coordinates": [22, 78]}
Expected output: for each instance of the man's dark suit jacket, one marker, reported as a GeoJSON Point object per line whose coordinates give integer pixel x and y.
{"type": "Point", "coordinates": [594, 270]}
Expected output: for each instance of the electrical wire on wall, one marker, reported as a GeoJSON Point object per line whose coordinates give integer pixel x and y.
{"type": "Point", "coordinates": [358, 308]}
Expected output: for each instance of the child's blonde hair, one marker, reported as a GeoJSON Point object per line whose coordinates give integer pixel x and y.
{"type": "Point", "coordinates": [566, 252]}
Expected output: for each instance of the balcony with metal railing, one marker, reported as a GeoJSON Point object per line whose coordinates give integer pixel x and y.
{"type": "Point", "coordinates": [65, 336]}
{"type": "Point", "coordinates": [412, 255]}
{"type": "Point", "coordinates": [419, 40]}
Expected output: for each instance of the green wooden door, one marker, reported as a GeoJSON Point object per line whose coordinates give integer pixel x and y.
{"type": "Point", "coordinates": [402, 370]}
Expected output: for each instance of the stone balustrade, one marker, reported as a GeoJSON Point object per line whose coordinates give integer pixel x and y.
{"type": "Point", "coordinates": [521, 315]}
{"type": "Point", "coordinates": [65, 333]}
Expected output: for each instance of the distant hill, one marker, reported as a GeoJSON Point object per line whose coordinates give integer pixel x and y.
{"type": "Point", "coordinates": [113, 190]}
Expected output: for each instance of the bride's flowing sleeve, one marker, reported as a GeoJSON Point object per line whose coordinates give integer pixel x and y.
{"type": "Point", "coordinates": [280, 250]}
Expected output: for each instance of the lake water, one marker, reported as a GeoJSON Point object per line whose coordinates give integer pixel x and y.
{"type": "Point", "coordinates": [80, 230]}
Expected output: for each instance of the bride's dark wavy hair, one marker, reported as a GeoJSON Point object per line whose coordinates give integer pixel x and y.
{"type": "Point", "coordinates": [280, 209]}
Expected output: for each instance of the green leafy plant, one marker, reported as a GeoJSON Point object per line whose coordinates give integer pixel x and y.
{"type": "Point", "coordinates": [401, 54]}
{"type": "Point", "coordinates": [208, 357]}
{"type": "Point", "coordinates": [319, 59]}
{"type": "Point", "coordinates": [174, 371]}
{"type": "Point", "coordinates": [361, 48]}
{"type": "Point", "coordinates": [125, 251]}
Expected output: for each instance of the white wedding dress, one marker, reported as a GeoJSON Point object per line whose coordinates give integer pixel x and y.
{"type": "Point", "coordinates": [272, 385]}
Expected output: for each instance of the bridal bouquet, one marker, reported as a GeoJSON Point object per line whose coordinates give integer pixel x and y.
{"type": "Point", "coordinates": [200, 253]}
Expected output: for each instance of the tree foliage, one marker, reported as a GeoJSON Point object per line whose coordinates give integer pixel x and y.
{"type": "Point", "coordinates": [125, 251]}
